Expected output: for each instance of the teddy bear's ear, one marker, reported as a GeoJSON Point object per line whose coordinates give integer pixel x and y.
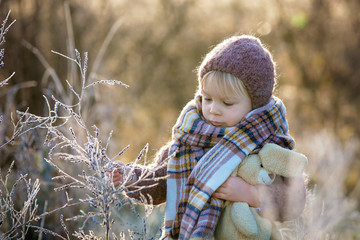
{"type": "Point", "coordinates": [282, 161]}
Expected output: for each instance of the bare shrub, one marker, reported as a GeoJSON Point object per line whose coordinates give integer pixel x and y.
{"type": "Point", "coordinates": [72, 143]}
{"type": "Point", "coordinates": [81, 160]}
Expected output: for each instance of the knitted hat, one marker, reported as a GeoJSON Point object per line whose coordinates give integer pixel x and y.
{"type": "Point", "coordinates": [245, 58]}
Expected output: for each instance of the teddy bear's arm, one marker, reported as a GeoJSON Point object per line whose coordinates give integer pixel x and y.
{"type": "Point", "coordinates": [243, 219]}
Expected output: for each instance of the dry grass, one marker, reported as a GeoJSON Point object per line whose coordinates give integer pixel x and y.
{"type": "Point", "coordinates": [330, 213]}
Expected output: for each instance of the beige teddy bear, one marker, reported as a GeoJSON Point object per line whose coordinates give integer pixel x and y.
{"type": "Point", "coordinates": [238, 220]}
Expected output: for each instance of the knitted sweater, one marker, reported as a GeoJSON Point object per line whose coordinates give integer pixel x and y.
{"type": "Point", "coordinates": [158, 191]}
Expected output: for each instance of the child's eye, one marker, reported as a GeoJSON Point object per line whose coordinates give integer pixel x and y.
{"type": "Point", "coordinates": [228, 104]}
{"type": "Point", "coordinates": [207, 99]}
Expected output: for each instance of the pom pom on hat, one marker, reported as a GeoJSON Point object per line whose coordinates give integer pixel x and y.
{"type": "Point", "coordinates": [247, 59]}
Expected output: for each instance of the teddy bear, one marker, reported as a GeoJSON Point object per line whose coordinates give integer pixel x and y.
{"type": "Point", "coordinates": [238, 220]}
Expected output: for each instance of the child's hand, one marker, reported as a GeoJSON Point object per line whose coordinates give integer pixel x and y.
{"type": "Point", "coordinates": [235, 189]}
{"type": "Point", "coordinates": [116, 173]}
{"type": "Point", "coordinates": [119, 174]}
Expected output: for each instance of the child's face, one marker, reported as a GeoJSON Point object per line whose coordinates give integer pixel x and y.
{"type": "Point", "coordinates": [223, 111]}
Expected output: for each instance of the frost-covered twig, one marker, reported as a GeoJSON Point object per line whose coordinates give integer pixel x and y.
{"type": "Point", "coordinates": [110, 82]}
{"type": "Point", "coordinates": [5, 82]}
{"type": "Point", "coordinates": [3, 30]}
{"type": "Point", "coordinates": [28, 122]}
{"type": "Point", "coordinates": [23, 217]}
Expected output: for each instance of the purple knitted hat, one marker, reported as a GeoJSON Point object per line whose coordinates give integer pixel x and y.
{"type": "Point", "coordinates": [245, 58]}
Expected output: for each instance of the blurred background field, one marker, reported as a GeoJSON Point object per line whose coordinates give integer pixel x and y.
{"type": "Point", "coordinates": [155, 46]}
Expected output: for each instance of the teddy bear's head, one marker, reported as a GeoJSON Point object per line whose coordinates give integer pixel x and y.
{"type": "Point", "coordinates": [252, 171]}
{"type": "Point", "coordinates": [282, 161]}
{"type": "Point", "coordinates": [272, 160]}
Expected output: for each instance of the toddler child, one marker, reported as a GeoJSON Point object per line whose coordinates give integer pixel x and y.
{"type": "Point", "coordinates": [233, 114]}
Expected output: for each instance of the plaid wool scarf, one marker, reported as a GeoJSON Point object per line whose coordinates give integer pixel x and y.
{"type": "Point", "coordinates": [203, 157]}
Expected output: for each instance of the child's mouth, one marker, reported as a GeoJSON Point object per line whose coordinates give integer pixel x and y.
{"type": "Point", "coordinates": [216, 124]}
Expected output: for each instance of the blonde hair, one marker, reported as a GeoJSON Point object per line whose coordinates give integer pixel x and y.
{"type": "Point", "coordinates": [227, 84]}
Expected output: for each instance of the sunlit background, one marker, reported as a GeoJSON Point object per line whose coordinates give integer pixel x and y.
{"type": "Point", "coordinates": [155, 47]}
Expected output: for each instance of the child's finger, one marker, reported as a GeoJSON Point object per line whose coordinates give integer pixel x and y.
{"type": "Point", "coordinates": [118, 164]}
{"type": "Point", "coordinates": [217, 195]}
{"type": "Point", "coordinates": [118, 176]}
{"type": "Point", "coordinates": [117, 179]}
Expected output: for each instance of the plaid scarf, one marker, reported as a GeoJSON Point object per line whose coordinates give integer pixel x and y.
{"type": "Point", "coordinates": [203, 157]}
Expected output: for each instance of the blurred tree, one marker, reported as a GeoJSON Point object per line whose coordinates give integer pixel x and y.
{"type": "Point", "coordinates": [323, 44]}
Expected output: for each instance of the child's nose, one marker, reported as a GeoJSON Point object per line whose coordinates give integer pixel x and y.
{"type": "Point", "coordinates": [214, 109]}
